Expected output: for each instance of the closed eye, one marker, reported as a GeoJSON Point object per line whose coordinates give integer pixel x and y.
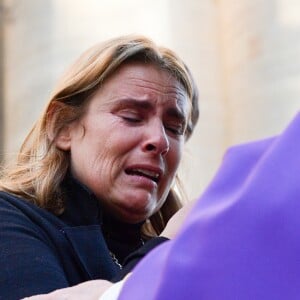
{"type": "Point", "coordinates": [177, 130]}
{"type": "Point", "coordinates": [131, 120]}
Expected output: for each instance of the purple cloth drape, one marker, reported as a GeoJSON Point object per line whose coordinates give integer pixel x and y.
{"type": "Point", "coordinates": [242, 238]}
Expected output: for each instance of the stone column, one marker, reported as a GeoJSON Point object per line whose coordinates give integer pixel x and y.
{"type": "Point", "coordinates": [261, 58]}
{"type": "Point", "coordinates": [27, 66]}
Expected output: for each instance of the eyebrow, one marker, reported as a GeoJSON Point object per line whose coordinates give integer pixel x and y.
{"type": "Point", "coordinates": [141, 104]}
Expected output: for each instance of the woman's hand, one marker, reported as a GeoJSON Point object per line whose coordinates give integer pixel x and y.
{"type": "Point", "coordinates": [89, 290]}
{"type": "Point", "coordinates": [175, 223]}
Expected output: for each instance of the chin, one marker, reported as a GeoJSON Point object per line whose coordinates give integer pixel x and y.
{"type": "Point", "coordinates": [133, 215]}
{"type": "Point", "coordinates": [138, 209]}
{"type": "Point", "coordinates": [133, 219]}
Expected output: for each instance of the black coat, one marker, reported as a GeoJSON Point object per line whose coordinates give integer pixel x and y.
{"type": "Point", "coordinates": [40, 252]}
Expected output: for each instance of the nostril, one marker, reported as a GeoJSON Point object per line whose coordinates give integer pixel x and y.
{"type": "Point", "coordinates": [157, 149]}
{"type": "Point", "coordinates": [150, 147]}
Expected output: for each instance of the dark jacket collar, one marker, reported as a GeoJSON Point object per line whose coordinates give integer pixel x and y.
{"type": "Point", "coordinates": [81, 206]}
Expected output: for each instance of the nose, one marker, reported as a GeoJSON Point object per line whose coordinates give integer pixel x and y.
{"type": "Point", "coordinates": [156, 140]}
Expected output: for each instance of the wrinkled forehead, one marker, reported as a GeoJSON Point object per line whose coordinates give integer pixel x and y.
{"type": "Point", "coordinates": [150, 81]}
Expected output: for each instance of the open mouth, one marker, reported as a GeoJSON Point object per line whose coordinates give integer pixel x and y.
{"type": "Point", "coordinates": [154, 176]}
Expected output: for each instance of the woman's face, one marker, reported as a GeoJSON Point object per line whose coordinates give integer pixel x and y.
{"type": "Point", "coordinates": [127, 146]}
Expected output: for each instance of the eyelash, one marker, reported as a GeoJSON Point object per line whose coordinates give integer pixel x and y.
{"type": "Point", "coordinates": [175, 131]}
{"type": "Point", "coordinates": [135, 120]}
{"type": "Point", "coordinates": [131, 119]}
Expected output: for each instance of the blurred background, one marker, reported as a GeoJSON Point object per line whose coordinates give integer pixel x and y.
{"type": "Point", "coordinates": [244, 54]}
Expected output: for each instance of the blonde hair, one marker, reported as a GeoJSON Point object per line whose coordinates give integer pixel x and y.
{"type": "Point", "coordinates": [41, 166]}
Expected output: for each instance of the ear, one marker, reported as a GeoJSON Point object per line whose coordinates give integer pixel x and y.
{"type": "Point", "coordinates": [61, 139]}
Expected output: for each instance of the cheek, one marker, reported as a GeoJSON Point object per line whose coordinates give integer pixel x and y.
{"type": "Point", "coordinates": [118, 144]}
{"type": "Point", "coordinates": [173, 160]}
{"type": "Point", "coordinates": [174, 157]}
{"type": "Point", "coordinates": [110, 151]}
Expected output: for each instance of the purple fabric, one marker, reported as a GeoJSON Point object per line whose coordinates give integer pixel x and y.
{"type": "Point", "coordinates": [242, 239]}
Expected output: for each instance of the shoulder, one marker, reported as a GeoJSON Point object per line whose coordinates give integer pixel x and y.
{"type": "Point", "coordinates": [17, 210]}
{"type": "Point", "coordinates": [23, 223]}
{"type": "Point", "coordinates": [11, 204]}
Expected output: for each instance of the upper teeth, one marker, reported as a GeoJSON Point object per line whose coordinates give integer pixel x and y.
{"type": "Point", "coordinates": [148, 173]}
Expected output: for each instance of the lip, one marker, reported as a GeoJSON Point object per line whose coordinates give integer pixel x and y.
{"type": "Point", "coordinates": [147, 168]}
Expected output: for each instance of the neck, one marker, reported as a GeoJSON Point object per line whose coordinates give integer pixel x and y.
{"type": "Point", "coordinates": [121, 238]}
